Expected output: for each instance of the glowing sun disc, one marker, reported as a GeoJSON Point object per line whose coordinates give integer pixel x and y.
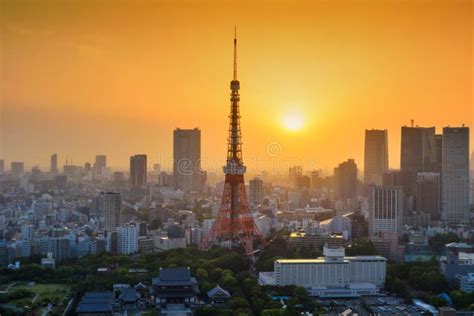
{"type": "Point", "coordinates": [293, 121]}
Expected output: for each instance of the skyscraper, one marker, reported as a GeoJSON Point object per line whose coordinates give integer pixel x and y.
{"type": "Point", "coordinates": [472, 161]}
{"type": "Point", "coordinates": [375, 156]}
{"type": "Point", "coordinates": [54, 163]}
{"type": "Point", "coordinates": [293, 173]}
{"type": "Point", "coordinates": [418, 154]}
{"type": "Point", "coordinates": [455, 175]}
{"type": "Point", "coordinates": [17, 168]}
{"type": "Point", "coordinates": [2, 166]}
{"type": "Point", "coordinates": [187, 172]}
{"type": "Point", "coordinates": [112, 211]}
{"type": "Point", "coordinates": [138, 170]}
{"type": "Point", "coordinates": [385, 209]}
{"type": "Point", "coordinates": [428, 194]}
{"type": "Point", "coordinates": [100, 165]}
{"type": "Point", "coordinates": [256, 191]}
{"type": "Point", "coordinates": [392, 178]}
{"type": "Point", "coordinates": [345, 180]}
{"type": "Point", "coordinates": [439, 153]}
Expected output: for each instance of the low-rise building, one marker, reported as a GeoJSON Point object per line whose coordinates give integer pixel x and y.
{"type": "Point", "coordinates": [175, 290]}
{"type": "Point", "coordinates": [464, 282]}
{"type": "Point", "coordinates": [333, 275]}
{"type": "Point", "coordinates": [96, 303]}
{"type": "Point", "coordinates": [459, 260]}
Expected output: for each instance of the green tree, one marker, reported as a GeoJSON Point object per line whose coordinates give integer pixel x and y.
{"type": "Point", "coordinates": [201, 275]}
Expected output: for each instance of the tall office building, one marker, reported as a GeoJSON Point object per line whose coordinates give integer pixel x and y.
{"type": "Point", "coordinates": [54, 163]}
{"type": "Point", "coordinates": [293, 173]}
{"type": "Point", "coordinates": [439, 153]}
{"type": "Point", "coordinates": [472, 161]}
{"type": "Point", "coordinates": [187, 172]}
{"type": "Point", "coordinates": [256, 191]}
{"type": "Point", "coordinates": [455, 175]}
{"type": "Point", "coordinates": [428, 194]}
{"type": "Point", "coordinates": [17, 168]}
{"type": "Point", "coordinates": [345, 180]}
{"type": "Point", "coordinates": [112, 211]}
{"type": "Point", "coordinates": [2, 166]}
{"type": "Point", "coordinates": [100, 165]}
{"type": "Point", "coordinates": [375, 156]}
{"type": "Point", "coordinates": [127, 239]}
{"type": "Point", "coordinates": [392, 178]}
{"type": "Point", "coordinates": [418, 154]}
{"type": "Point", "coordinates": [385, 209]}
{"type": "Point", "coordinates": [138, 171]}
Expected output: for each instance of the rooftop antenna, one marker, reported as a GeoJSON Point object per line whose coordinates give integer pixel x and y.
{"type": "Point", "coordinates": [235, 53]}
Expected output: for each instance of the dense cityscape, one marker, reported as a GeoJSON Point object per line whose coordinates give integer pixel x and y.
{"type": "Point", "coordinates": [189, 238]}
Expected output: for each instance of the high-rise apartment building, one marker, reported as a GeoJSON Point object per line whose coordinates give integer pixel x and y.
{"type": "Point", "coordinates": [345, 180]}
{"type": "Point", "coordinates": [428, 194]}
{"type": "Point", "coordinates": [375, 156]}
{"type": "Point", "coordinates": [100, 165]}
{"type": "Point", "coordinates": [418, 154]}
{"type": "Point", "coordinates": [112, 211]}
{"type": "Point", "coordinates": [54, 163]}
{"type": "Point", "coordinates": [187, 172]}
{"type": "Point", "coordinates": [256, 191]}
{"type": "Point", "coordinates": [17, 168]}
{"type": "Point", "coordinates": [60, 247]}
{"type": "Point", "coordinates": [127, 239]}
{"type": "Point", "coordinates": [455, 175]}
{"type": "Point", "coordinates": [385, 209]}
{"type": "Point", "coordinates": [138, 171]}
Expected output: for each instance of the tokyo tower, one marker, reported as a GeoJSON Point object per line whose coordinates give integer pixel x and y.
{"type": "Point", "coordinates": [234, 222]}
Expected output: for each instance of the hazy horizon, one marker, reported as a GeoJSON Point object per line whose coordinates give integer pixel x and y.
{"type": "Point", "coordinates": [82, 78]}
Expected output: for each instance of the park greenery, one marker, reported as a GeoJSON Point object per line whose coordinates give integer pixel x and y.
{"type": "Point", "coordinates": [218, 266]}
{"type": "Point", "coordinates": [230, 270]}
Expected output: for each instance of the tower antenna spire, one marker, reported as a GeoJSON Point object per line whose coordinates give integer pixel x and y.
{"type": "Point", "coordinates": [235, 52]}
{"type": "Point", "coordinates": [234, 222]}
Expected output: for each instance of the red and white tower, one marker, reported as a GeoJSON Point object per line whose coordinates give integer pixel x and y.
{"type": "Point", "coordinates": [234, 222]}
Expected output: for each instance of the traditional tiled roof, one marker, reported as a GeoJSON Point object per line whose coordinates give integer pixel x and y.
{"type": "Point", "coordinates": [218, 291]}
{"type": "Point", "coordinates": [174, 277]}
{"type": "Point", "coordinates": [96, 302]}
{"type": "Point", "coordinates": [129, 295]}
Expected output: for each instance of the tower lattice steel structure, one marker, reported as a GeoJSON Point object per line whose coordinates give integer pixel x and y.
{"type": "Point", "coordinates": [234, 222]}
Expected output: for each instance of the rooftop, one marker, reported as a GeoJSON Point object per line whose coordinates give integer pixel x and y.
{"type": "Point", "coordinates": [95, 302]}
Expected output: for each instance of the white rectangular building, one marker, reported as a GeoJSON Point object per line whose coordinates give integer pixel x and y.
{"type": "Point", "coordinates": [127, 239]}
{"type": "Point", "coordinates": [334, 273]}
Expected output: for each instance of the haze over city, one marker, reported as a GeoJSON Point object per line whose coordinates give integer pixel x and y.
{"type": "Point", "coordinates": [82, 78]}
{"type": "Point", "coordinates": [236, 158]}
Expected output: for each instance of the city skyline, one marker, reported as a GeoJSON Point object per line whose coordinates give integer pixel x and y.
{"type": "Point", "coordinates": [316, 73]}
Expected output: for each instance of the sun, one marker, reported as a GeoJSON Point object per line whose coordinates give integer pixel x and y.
{"type": "Point", "coordinates": [293, 121]}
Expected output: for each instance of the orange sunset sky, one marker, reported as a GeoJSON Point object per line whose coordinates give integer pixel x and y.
{"type": "Point", "coordinates": [81, 78]}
